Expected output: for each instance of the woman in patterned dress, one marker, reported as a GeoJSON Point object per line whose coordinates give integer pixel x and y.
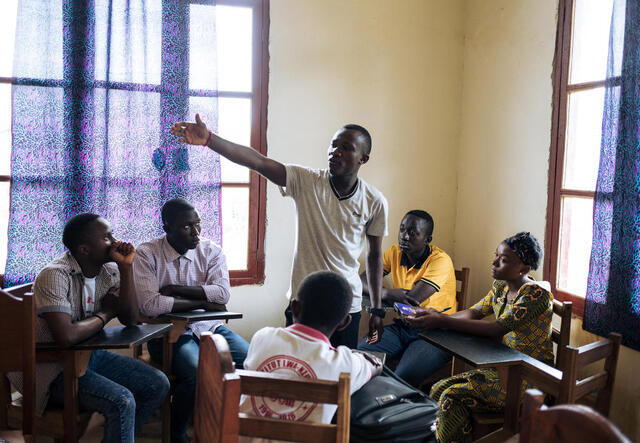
{"type": "Point", "coordinates": [522, 308]}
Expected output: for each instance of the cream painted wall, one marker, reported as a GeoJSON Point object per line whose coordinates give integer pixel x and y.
{"type": "Point", "coordinates": [504, 149]}
{"type": "Point", "coordinates": [394, 67]}
{"type": "Point", "coordinates": [505, 132]}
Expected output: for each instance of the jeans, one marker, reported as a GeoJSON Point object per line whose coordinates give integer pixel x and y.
{"type": "Point", "coordinates": [347, 337]}
{"type": "Point", "coordinates": [127, 392]}
{"type": "Point", "coordinates": [185, 368]}
{"type": "Point", "coordinates": [418, 359]}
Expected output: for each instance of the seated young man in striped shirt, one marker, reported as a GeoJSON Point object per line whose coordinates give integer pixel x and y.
{"type": "Point", "coordinates": [75, 296]}
{"type": "Point", "coordinates": [423, 276]}
{"type": "Point", "coordinates": [179, 272]}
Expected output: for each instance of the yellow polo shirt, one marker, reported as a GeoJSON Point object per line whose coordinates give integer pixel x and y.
{"type": "Point", "coordinates": [435, 268]}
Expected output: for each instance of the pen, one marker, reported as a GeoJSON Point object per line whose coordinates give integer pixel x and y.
{"type": "Point", "coordinates": [445, 310]}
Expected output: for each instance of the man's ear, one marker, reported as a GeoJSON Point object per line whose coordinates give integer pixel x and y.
{"type": "Point", "coordinates": [525, 269]}
{"type": "Point", "coordinates": [428, 239]}
{"type": "Point", "coordinates": [165, 228]}
{"type": "Point", "coordinates": [344, 323]}
{"type": "Point", "coordinates": [364, 159]}
{"type": "Point", "coordinates": [295, 310]}
{"type": "Point", "coordinates": [82, 250]}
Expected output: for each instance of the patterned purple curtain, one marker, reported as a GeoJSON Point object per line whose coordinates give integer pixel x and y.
{"type": "Point", "coordinates": [613, 292]}
{"type": "Point", "coordinates": [97, 84]}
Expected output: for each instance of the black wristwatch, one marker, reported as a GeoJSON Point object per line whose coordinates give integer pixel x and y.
{"type": "Point", "coordinates": [380, 312]}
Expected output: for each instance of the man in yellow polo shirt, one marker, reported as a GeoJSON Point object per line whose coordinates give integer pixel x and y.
{"type": "Point", "coordinates": [422, 275]}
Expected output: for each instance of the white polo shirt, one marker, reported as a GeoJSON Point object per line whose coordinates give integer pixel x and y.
{"type": "Point", "coordinates": [332, 230]}
{"type": "Point", "coordinates": [304, 352]}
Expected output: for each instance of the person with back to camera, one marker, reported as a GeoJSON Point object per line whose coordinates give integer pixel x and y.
{"type": "Point", "coordinates": [303, 349]}
{"type": "Point", "coordinates": [523, 309]}
{"type": "Point", "coordinates": [336, 212]}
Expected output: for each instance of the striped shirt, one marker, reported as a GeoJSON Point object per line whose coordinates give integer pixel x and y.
{"type": "Point", "coordinates": [157, 264]}
{"type": "Point", "coordinates": [58, 288]}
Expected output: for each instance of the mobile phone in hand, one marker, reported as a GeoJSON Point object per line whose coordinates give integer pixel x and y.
{"type": "Point", "coordinates": [403, 309]}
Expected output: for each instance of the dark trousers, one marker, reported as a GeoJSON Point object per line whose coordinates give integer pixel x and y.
{"type": "Point", "coordinates": [347, 337]}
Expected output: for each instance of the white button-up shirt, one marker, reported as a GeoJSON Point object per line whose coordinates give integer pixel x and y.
{"type": "Point", "coordinates": [157, 264]}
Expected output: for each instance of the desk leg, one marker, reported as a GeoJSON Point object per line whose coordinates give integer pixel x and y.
{"type": "Point", "coordinates": [512, 404]}
{"type": "Point", "coordinates": [71, 364]}
{"type": "Point", "coordinates": [167, 356]}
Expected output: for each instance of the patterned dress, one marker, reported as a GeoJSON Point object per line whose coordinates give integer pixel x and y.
{"type": "Point", "coordinates": [528, 318]}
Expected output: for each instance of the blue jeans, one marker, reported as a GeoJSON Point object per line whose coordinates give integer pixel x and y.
{"type": "Point", "coordinates": [185, 368]}
{"type": "Point", "coordinates": [127, 392]}
{"type": "Point", "coordinates": [418, 359]}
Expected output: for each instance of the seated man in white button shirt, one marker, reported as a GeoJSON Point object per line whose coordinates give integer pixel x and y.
{"type": "Point", "coordinates": [180, 272]}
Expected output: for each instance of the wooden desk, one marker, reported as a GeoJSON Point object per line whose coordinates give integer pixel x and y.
{"type": "Point", "coordinates": [180, 319]}
{"type": "Point", "coordinates": [480, 352]}
{"type": "Point", "coordinates": [177, 321]}
{"type": "Point", "coordinates": [76, 358]}
{"type": "Point", "coordinates": [483, 352]}
{"type": "Point", "coordinates": [115, 337]}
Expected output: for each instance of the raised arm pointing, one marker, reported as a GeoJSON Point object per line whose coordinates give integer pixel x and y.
{"type": "Point", "coordinates": [198, 134]}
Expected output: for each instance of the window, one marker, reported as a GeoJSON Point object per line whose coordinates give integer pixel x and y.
{"type": "Point", "coordinates": [240, 88]}
{"type": "Point", "coordinates": [579, 85]}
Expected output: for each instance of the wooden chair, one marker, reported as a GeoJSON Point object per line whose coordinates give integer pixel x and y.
{"type": "Point", "coordinates": [486, 423]}
{"type": "Point", "coordinates": [565, 387]}
{"type": "Point", "coordinates": [219, 388]}
{"type": "Point", "coordinates": [66, 424]}
{"type": "Point", "coordinates": [595, 389]}
{"type": "Point", "coordinates": [17, 341]}
{"type": "Point", "coordinates": [565, 423]}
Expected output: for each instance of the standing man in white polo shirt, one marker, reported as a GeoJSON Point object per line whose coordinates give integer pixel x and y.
{"type": "Point", "coordinates": [336, 212]}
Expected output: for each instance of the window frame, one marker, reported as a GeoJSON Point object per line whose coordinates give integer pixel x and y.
{"type": "Point", "coordinates": [561, 91]}
{"type": "Point", "coordinates": [254, 273]}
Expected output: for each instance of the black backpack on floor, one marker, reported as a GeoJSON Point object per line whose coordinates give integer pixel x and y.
{"type": "Point", "coordinates": [388, 409]}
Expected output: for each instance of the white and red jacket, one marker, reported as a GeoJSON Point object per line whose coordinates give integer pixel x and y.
{"type": "Point", "coordinates": [305, 352]}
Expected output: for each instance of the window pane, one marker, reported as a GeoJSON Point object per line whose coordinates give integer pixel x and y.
{"type": "Point", "coordinates": [116, 135]}
{"type": "Point", "coordinates": [590, 42]}
{"type": "Point", "coordinates": [135, 41]}
{"type": "Point", "coordinates": [39, 37]}
{"type": "Point", "coordinates": [235, 226]}
{"type": "Point", "coordinates": [234, 123]}
{"type": "Point", "coordinates": [39, 147]}
{"type": "Point", "coordinates": [202, 47]}
{"type": "Point", "coordinates": [576, 224]}
{"type": "Point", "coordinates": [7, 37]}
{"type": "Point", "coordinates": [5, 129]}
{"type": "Point", "coordinates": [584, 131]}
{"type": "Point", "coordinates": [204, 163]}
{"type": "Point", "coordinates": [235, 32]}
{"type": "Point", "coordinates": [4, 223]}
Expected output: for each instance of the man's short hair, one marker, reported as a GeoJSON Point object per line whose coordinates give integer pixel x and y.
{"type": "Point", "coordinates": [365, 134]}
{"type": "Point", "coordinates": [325, 299]}
{"type": "Point", "coordinates": [425, 216]}
{"type": "Point", "coordinates": [172, 208]}
{"type": "Point", "coordinates": [76, 230]}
